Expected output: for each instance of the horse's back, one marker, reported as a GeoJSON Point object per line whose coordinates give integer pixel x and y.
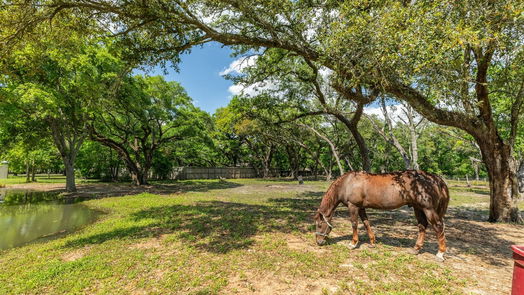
{"type": "Point", "coordinates": [378, 191]}
{"type": "Point", "coordinates": [392, 190]}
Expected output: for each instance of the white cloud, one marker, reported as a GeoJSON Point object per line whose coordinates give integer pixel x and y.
{"type": "Point", "coordinates": [394, 111]}
{"type": "Point", "coordinates": [253, 89]}
{"type": "Point", "coordinates": [239, 65]}
{"type": "Point", "coordinates": [325, 73]}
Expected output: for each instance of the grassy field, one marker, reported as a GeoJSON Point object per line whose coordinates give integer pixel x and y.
{"type": "Point", "coordinates": [242, 236]}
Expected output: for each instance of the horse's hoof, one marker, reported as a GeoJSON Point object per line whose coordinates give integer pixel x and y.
{"type": "Point", "coordinates": [414, 251]}
{"type": "Point", "coordinates": [352, 246]}
{"type": "Point", "coordinates": [440, 256]}
{"type": "Point", "coordinates": [371, 246]}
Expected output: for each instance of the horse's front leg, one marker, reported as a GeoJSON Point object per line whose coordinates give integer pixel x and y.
{"type": "Point", "coordinates": [364, 217]}
{"type": "Point", "coordinates": [353, 217]}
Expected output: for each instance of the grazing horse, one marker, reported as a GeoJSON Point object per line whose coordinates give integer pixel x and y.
{"type": "Point", "coordinates": [427, 193]}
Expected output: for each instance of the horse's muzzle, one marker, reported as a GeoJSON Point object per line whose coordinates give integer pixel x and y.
{"type": "Point", "coordinates": [321, 242]}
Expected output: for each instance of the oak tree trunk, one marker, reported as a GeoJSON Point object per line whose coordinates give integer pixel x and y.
{"type": "Point", "coordinates": [70, 174]}
{"type": "Point", "coordinates": [138, 174]}
{"type": "Point", "coordinates": [501, 168]}
{"type": "Point", "coordinates": [138, 178]}
{"type": "Point", "coordinates": [266, 162]}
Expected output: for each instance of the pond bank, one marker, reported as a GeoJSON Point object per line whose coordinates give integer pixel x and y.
{"type": "Point", "coordinates": [29, 216]}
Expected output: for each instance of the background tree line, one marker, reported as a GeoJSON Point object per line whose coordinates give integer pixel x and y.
{"type": "Point", "coordinates": [457, 64]}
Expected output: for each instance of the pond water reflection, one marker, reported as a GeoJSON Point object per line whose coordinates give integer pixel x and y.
{"type": "Point", "coordinates": [26, 216]}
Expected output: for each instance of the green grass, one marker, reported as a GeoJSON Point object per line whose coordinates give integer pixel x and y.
{"type": "Point", "coordinates": [41, 178]}
{"type": "Point", "coordinates": [216, 240]}
{"type": "Point", "coordinates": [475, 195]}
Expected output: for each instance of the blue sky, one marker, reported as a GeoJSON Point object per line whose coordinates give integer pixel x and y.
{"type": "Point", "coordinates": [199, 75]}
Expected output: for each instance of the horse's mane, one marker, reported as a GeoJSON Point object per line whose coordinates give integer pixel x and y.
{"type": "Point", "coordinates": [330, 197]}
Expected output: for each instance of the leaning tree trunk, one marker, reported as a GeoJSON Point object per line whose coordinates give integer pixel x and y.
{"type": "Point", "coordinates": [501, 168]}
{"type": "Point", "coordinates": [352, 126]}
{"type": "Point", "coordinates": [331, 146]}
{"type": "Point", "coordinates": [293, 161]}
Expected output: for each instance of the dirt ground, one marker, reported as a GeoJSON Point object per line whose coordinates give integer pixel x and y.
{"type": "Point", "coordinates": [478, 251]}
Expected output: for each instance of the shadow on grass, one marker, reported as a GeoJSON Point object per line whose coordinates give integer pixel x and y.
{"type": "Point", "coordinates": [221, 227]}
{"type": "Point", "coordinates": [103, 190]}
{"type": "Point", "coordinates": [467, 232]}
{"type": "Point", "coordinates": [213, 226]}
{"type": "Point", "coordinates": [191, 186]}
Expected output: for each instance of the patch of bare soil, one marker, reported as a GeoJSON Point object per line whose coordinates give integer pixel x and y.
{"type": "Point", "coordinates": [298, 243]}
{"type": "Point", "coordinates": [270, 284]}
{"type": "Point", "coordinates": [152, 243]}
{"type": "Point", "coordinates": [75, 254]}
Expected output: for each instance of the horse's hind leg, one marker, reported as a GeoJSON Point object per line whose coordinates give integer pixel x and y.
{"type": "Point", "coordinates": [438, 225]}
{"type": "Point", "coordinates": [364, 217]}
{"type": "Point", "coordinates": [353, 217]}
{"type": "Point", "coordinates": [422, 225]}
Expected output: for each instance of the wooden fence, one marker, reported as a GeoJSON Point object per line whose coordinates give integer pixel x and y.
{"type": "Point", "coordinates": [213, 173]}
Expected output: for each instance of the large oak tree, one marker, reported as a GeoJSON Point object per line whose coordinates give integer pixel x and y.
{"type": "Point", "coordinates": [456, 63]}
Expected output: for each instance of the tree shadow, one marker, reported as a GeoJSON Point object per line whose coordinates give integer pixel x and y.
{"type": "Point", "coordinates": [13, 196]}
{"type": "Point", "coordinates": [193, 186]}
{"type": "Point", "coordinates": [220, 227]}
{"type": "Point", "coordinates": [213, 226]}
{"type": "Point", "coordinates": [103, 190]}
{"type": "Point", "coordinates": [467, 232]}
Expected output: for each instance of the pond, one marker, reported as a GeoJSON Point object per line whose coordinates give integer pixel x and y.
{"type": "Point", "coordinates": [27, 216]}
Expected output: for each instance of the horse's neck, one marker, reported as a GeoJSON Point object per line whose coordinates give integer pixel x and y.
{"type": "Point", "coordinates": [328, 204]}
{"type": "Point", "coordinates": [330, 200]}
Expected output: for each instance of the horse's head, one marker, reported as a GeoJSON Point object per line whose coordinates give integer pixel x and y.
{"type": "Point", "coordinates": [323, 228]}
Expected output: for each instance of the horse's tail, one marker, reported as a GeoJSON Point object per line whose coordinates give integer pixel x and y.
{"type": "Point", "coordinates": [444, 198]}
